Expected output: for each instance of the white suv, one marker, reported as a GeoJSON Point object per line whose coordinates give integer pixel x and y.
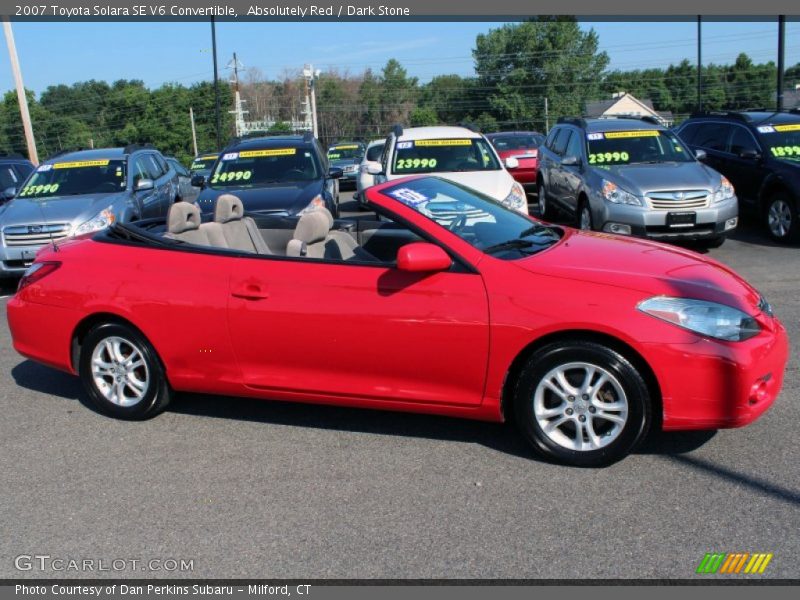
{"type": "Point", "coordinates": [453, 153]}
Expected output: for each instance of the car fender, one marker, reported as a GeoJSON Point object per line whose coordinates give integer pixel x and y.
{"type": "Point", "coordinates": [771, 182]}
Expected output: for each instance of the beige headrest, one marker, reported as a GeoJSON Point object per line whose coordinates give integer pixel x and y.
{"type": "Point", "coordinates": [228, 208]}
{"type": "Point", "coordinates": [312, 227]}
{"type": "Point", "coordinates": [327, 214]}
{"type": "Point", "coordinates": [183, 216]}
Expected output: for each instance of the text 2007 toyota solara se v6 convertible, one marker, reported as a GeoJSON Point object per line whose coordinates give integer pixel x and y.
{"type": "Point", "coordinates": [447, 302]}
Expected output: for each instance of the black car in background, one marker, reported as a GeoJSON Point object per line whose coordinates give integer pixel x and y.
{"type": "Point", "coordinates": [280, 175]}
{"type": "Point", "coordinates": [202, 164]}
{"type": "Point", "coordinates": [347, 156]}
{"type": "Point", "coordinates": [14, 169]}
{"type": "Point", "coordinates": [759, 152]}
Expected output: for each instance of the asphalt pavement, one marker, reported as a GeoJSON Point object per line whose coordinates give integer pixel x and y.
{"type": "Point", "coordinates": [245, 488]}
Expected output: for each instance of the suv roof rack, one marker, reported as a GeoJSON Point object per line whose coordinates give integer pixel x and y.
{"type": "Point", "coordinates": [577, 121]}
{"type": "Point", "coordinates": [732, 114]}
{"type": "Point", "coordinates": [397, 130]}
{"type": "Point", "coordinates": [130, 148]}
{"type": "Point", "coordinates": [469, 125]}
{"type": "Point", "coordinates": [646, 118]}
{"type": "Point", "coordinates": [65, 151]}
{"type": "Point", "coordinates": [308, 136]}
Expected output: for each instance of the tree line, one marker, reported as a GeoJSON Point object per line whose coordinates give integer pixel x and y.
{"type": "Point", "coordinates": [525, 73]}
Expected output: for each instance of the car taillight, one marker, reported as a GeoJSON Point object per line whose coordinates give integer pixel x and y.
{"type": "Point", "coordinates": [36, 272]}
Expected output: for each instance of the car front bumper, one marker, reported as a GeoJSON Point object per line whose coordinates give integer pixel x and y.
{"type": "Point", "coordinates": [723, 384]}
{"type": "Point", "coordinates": [14, 261]}
{"type": "Point", "coordinates": [711, 222]}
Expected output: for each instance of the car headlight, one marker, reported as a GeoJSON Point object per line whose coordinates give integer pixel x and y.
{"type": "Point", "coordinates": [100, 221]}
{"type": "Point", "coordinates": [516, 199]}
{"type": "Point", "coordinates": [703, 317]}
{"type": "Point", "coordinates": [613, 193]}
{"type": "Point", "coordinates": [316, 203]}
{"type": "Point", "coordinates": [725, 191]}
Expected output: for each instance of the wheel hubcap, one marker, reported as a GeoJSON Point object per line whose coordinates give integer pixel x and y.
{"type": "Point", "coordinates": [580, 406]}
{"type": "Point", "coordinates": [586, 218]}
{"type": "Point", "coordinates": [119, 371]}
{"type": "Point", "coordinates": [779, 218]}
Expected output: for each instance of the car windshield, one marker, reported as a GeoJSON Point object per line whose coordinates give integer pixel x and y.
{"type": "Point", "coordinates": [517, 142]}
{"type": "Point", "coordinates": [444, 155]}
{"type": "Point", "coordinates": [344, 152]}
{"type": "Point", "coordinates": [250, 168]}
{"type": "Point", "coordinates": [782, 140]}
{"type": "Point", "coordinates": [611, 148]}
{"type": "Point", "coordinates": [374, 152]}
{"type": "Point", "coordinates": [479, 220]}
{"type": "Point", "coordinates": [70, 178]}
{"type": "Point", "coordinates": [203, 163]}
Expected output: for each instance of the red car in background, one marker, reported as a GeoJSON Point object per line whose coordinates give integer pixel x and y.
{"type": "Point", "coordinates": [524, 146]}
{"type": "Point", "coordinates": [447, 302]}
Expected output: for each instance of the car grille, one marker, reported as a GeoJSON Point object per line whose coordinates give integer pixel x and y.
{"type": "Point", "coordinates": [678, 200]}
{"type": "Point", "coordinates": [34, 235]}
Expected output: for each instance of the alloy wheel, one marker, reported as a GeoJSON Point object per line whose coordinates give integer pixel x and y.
{"type": "Point", "coordinates": [586, 218]}
{"type": "Point", "coordinates": [580, 406]}
{"type": "Point", "coordinates": [779, 218]}
{"type": "Point", "coordinates": [119, 371]}
{"type": "Point", "coordinates": [541, 200]}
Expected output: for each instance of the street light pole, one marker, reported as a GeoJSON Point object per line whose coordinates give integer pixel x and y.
{"type": "Point", "coordinates": [699, 63]}
{"type": "Point", "coordinates": [216, 82]}
{"type": "Point", "coordinates": [781, 56]}
{"type": "Point", "coordinates": [33, 155]}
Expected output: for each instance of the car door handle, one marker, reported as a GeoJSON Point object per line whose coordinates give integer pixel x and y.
{"type": "Point", "coordinates": [250, 290]}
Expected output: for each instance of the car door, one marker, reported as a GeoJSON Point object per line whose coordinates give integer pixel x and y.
{"type": "Point", "coordinates": [572, 175]}
{"type": "Point", "coordinates": [558, 189]}
{"type": "Point", "coordinates": [372, 333]}
{"type": "Point", "coordinates": [547, 161]}
{"type": "Point", "coordinates": [745, 172]}
{"type": "Point", "coordinates": [165, 182]}
{"type": "Point", "coordinates": [148, 201]}
{"type": "Point", "coordinates": [713, 138]}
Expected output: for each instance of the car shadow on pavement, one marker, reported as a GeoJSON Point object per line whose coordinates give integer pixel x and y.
{"type": "Point", "coordinates": [502, 437]}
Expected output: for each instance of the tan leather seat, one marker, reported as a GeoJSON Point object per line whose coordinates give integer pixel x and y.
{"type": "Point", "coordinates": [240, 232]}
{"type": "Point", "coordinates": [309, 236]}
{"type": "Point", "coordinates": [183, 223]}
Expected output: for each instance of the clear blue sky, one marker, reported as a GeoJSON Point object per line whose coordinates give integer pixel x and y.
{"type": "Point", "coordinates": [52, 53]}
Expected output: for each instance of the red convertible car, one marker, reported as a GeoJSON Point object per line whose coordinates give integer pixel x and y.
{"type": "Point", "coordinates": [442, 302]}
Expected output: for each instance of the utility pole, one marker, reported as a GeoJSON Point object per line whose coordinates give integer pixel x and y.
{"type": "Point", "coordinates": [216, 82]}
{"type": "Point", "coordinates": [699, 63]}
{"type": "Point", "coordinates": [241, 126]}
{"type": "Point", "coordinates": [781, 56]}
{"type": "Point", "coordinates": [546, 117]}
{"type": "Point", "coordinates": [311, 96]}
{"type": "Point", "coordinates": [194, 131]}
{"type": "Point", "coordinates": [21, 96]}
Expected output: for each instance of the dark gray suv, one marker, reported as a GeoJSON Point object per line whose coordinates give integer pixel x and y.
{"type": "Point", "coordinates": [74, 193]}
{"type": "Point", "coordinates": [632, 176]}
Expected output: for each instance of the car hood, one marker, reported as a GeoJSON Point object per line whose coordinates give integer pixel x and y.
{"type": "Point", "coordinates": [290, 197]}
{"type": "Point", "coordinates": [496, 184]}
{"type": "Point", "coordinates": [56, 209]}
{"type": "Point", "coordinates": [649, 267]}
{"type": "Point", "coordinates": [643, 178]}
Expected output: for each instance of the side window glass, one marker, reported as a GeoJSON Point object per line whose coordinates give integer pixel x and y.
{"type": "Point", "coordinates": [561, 142]}
{"type": "Point", "coordinates": [688, 132]}
{"type": "Point", "coordinates": [742, 140]}
{"type": "Point", "coordinates": [713, 136]}
{"type": "Point", "coordinates": [140, 169]}
{"type": "Point", "coordinates": [551, 139]}
{"type": "Point", "coordinates": [574, 145]}
{"type": "Point", "coordinates": [154, 167]}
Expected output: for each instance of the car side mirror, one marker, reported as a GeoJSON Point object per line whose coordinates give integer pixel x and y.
{"type": "Point", "coordinates": [335, 173]}
{"type": "Point", "coordinates": [511, 163]}
{"type": "Point", "coordinates": [700, 154]}
{"type": "Point", "coordinates": [374, 168]}
{"type": "Point", "coordinates": [9, 193]}
{"type": "Point", "coordinates": [198, 180]}
{"type": "Point", "coordinates": [571, 161]}
{"type": "Point", "coordinates": [143, 185]}
{"type": "Point", "coordinates": [418, 257]}
{"type": "Point", "coordinates": [750, 154]}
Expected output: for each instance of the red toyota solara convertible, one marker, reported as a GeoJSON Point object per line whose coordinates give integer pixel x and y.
{"type": "Point", "coordinates": [443, 302]}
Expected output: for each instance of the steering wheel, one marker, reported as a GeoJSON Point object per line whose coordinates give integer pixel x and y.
{"type": "Point", "coordinates": [457, 223]}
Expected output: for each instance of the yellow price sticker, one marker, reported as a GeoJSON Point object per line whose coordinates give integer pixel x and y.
{"type": "Point", "coordinates": [81, 163]}
{"type": "Point", "coordinates": [415, 163]}
{"type": "Point", "coordinates": [785, 150]}
{"type": "Point", "coordinates": [348, 147]}
{"type": "Point", "coordinates": [794, 127]}
{"type": "Point", "coordinates": [453, 142]}
{"type": "Point", "coordinates": [608, 157]}
{"type": "Point", "coordinates": [232, 176]}
{"type": "Point", "coordinates": [632, 134]}
{"type": "Point", "coordinates": [271, 152]}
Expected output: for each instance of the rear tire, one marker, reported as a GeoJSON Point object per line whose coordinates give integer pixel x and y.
{"type": "Point", "coordinates": [782, 219]}
{"type": "Point", "coordinates": [582, 404]}
{"type": "Point", "coordinates": [122, 374]}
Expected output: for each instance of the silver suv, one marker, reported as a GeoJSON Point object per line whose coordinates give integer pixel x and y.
{"type": "Point", "coordinates": [632, 176]}
{"type": "Point", "coordinates": [75, 193]}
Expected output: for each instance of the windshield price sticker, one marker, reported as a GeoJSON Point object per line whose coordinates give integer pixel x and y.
{"type": "Point", "coordinates": [230, 156]}
{"type": "Point", "coordinates": [30, 190]}
{"type": "Point", "coordinates": [81, 163]}
{"type": "Point", "coordinates": [608, 157]}
{"type": "Point", "coordinates": [410, 197]}
{"type": "Point", "coordinates": [347, 147]}
{"type": "Point", "coordinates": [594, 136]}
{"type": "Point", "coordinates": [271, 152]}
{"type": "Point", "coordinates": [334, 155]}
{"type": "Point", "coordinates": [44, 168]}
{"type": "Point", "coordinates": [766, 129]}
{"type": "Point", "coordinates": [232, 176]}
{"type": "Point", "coordinates": [785, 150]}
{"type": "Point", "coordinates": [415, 163]}
{"type": "Point", "coordinates": [782, 128]}
{"type": "Point", "coordinates": [453, 142]}
{"type": "Point", "coordinates": [612, 135]}
{"type": "Point", "coordinates": [404, 145]}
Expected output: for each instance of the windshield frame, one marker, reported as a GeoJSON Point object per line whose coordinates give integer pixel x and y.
{"type": "Point", "coordinates": [769, 149]}
{"type": "Point", "coordinates": [320, 172]}
{"type": "Point", "coordinates": [50, 167]}
{"type": "Point", "coordinates": [685, 151]}
{"type": "Point", "coordinates": [474, 142]}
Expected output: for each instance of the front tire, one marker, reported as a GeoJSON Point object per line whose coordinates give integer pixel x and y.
{"type": "Point", "coordinates": [584, 220]}
{"type": "Point", "coordinates": [122, 374]}
{"type": "Point", "coordinates": [545, 210]}
{"type": "Point", "coordinates": [781, 218]}
{"type": "Point", "coordinates": [582, 404]}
